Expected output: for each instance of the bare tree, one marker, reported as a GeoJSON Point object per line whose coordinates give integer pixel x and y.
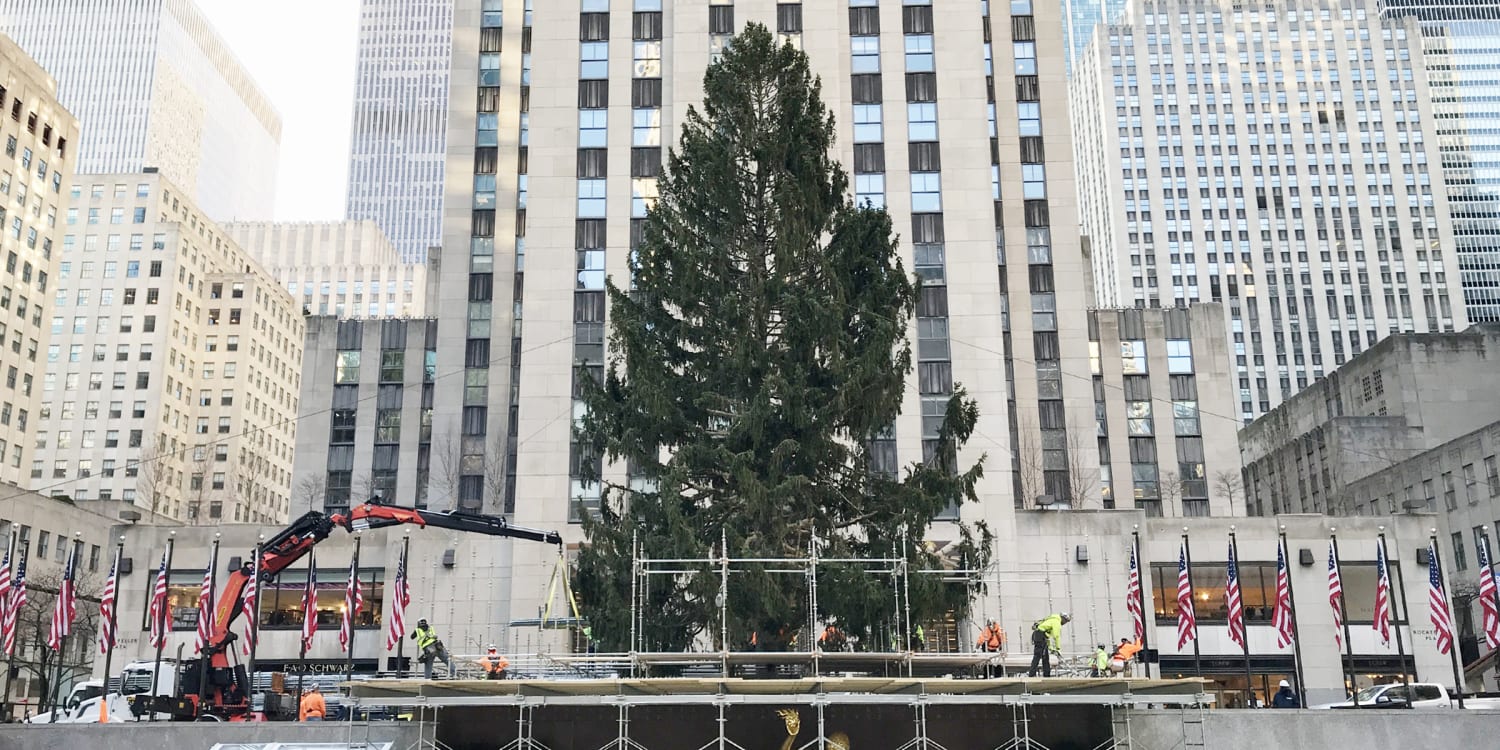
{"type": "Point", "coordinates": [310, 491]}
{"type": "Point", "coordinates": [155, 471]}
{"type": "Point", "coordinates": [198, 488]}
{"type": "Point", "coordinates": [446, 464]}
{"type": "Point", "coordinates": [1083, 473]}
{"type": "Point", "coordinates": [1030, 476]}
{"type": "Point", "coordinates": [1169, 489]}
{"type": "Point", "coordinates": [38, 662]}
{"type": "Point", "coordinates": [363, 487]}
{"type": "Point", "coordinates": [1228, 485]}
{"type": "Point", "coordinates": [494, 471]}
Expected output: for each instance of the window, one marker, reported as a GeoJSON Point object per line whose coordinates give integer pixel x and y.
{"type": "Point", "coordinates": [867, 123]}
{"type": "Point", "coordinates": [392, 365]}
{"type": "Point", "coordinates": [591, 202]}
{"type": "Point", "coordinates": [388, 426]}
{"type": "Point", "coordinates": [647, 59]}
{"type": "Point", "coordinates": [1025, 58]}
{"type": "Point", "coordinates": [1030, 115]}
{"type": "Point", "coordinates": [1450, 493]}
{"type": "Point", "coordinates": [919, 53]}
{"type": "Point", "coordinates": [645, 127]}
{"type": "Point", "coordinates": [281, 598]}
{"type": "Point", "coordinates": [1138, 417]}
{"type": "Point", "coordinates": [1185, 418]}
{"type": "Point", "coordinates": [1471, 484]}
{"type": "Point", "coordinates": [347, 369]}
{"type": "Point", "coordinates": [1492, 474]}
{"type": "Point", "coordinates": [926, 192]}
{"type": "Point", "coordinates": [592, 124]}
{"type": "Point", "coordinates": [1133, 357]}
{"type": "Point", "coordinates": [1033, 181]}
{"type": "Point", "coordinates": [1257, 591]}
{"type": "Point", "coordinates": [870, 189]}
{"type": "Point", "coordinates": [1179, 357]}
{"type": "Point", "coordinates": [866, 54]}
{"type": "Point", "coordinates": [921, 120]}
{"type": "Point", "coordinates": [342, 427]}
{"type": "Point", "coordinates": [594, 60]}
{"type": "Point", "coordinates": [1460, 560]}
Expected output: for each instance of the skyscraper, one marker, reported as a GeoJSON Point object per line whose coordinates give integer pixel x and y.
{"type": "Point", "coordinates": [155, 86]}
{"type": "Point", "coordinates": [1279, 157]}
{"type": "Point", "coordinates": [1082, 17]}
{"type": "Point", "coordinates": [1459, 41]}
{"type": "Point", "coordinates": [400, 120]}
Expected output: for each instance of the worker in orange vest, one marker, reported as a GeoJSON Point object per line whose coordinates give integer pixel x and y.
{"type": "Point", "coordinates": [832, 639]}
{"type": "Point", "coordinates": [494, 664]}
{"type": "Point", "coordinates": [991, 640]}
{"type": "Point", "coordinates": [312, 707]}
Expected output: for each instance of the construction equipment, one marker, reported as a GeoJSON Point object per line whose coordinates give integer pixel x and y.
{"type": "Point", "coordinates": [226, 693]}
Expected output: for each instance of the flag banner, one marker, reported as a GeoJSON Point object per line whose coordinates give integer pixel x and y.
{"type": "Point", "coordinates": [1187, 622]}
{"type": "Point", "coordinates": [1233, 600]}
{"type": "Point", "coordinates": [1335, 593]}
{"type": "Point", "coordinates": [1282, 619]}
{"type": "Point", "coordinates": [1382, 617]}
{"type": "Point", "coordinates": [64, 608]}
{"type": "Point", "coordinates": [107, 613]}
{"type": "Point", "coordinates": [1490, 621]}
{"type": "Point", "coordinates": [400, 597]}
{"type": "Point", "coordinates": [1437, 602]}
{"type": "Point", "coordinates": [1133, 596]}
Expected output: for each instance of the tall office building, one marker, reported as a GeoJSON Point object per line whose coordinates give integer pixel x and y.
{"type": "Point", "coordinates": [154, 85]}
{"type": "Point", "coordinates": [1082, 17]}
{"type": "Point", "coordinates": [400, 120]}
{"type": "Point", "coordinates": [347, 269]}
{"type": "Point", "coordinates": [174, 364]}
{"type": "Point", "coordinates": [1281, 158]}
{"type": "Point", "coordinates": [1459, 41]}
{"type": "Point", "coordinates": [970, 152]}
{"type": "Point", "coordinates": [41, 149]}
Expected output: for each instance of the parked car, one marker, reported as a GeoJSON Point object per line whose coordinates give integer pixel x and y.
{"type": "Point", "coordinates": [1419, 695]}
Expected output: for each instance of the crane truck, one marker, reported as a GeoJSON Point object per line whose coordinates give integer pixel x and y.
{"type": "Point", "coordinates": [225, 694]}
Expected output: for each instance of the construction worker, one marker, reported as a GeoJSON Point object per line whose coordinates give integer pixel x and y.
{"type": "Point", "coordinates": [991, 641]}
{"type": "Point", "coordinates": [493, 664]}
{"type": "Point", "coordinates": [832, 639]}
{"type": "Point", "coordinates": [920, 643]}
{"type": "Point", "coordinates": [312, 707]}
{"type": "Point", "coordinates": [1124, 653]}
{"type": "Point", "coordinates": [1101, 661]}
{"type": "Point", "coordinates": [432, 649]}
{"type": "Point", "coordinates": [1045, 635]}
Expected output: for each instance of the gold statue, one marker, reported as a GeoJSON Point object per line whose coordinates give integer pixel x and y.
{"type": "Point", "coordinates": [835, 741]}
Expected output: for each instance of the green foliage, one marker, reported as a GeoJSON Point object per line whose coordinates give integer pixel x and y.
{"type": "Point", "coordinates": [761, 347]}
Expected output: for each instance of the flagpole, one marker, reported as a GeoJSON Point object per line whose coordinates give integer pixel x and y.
{"type": "Point", "coordinates": [1187, 556]}
{"type": "Point", "coordinates": [1234, 551]}
{"type": "Point", "coordinates": [1296, 635]}
{"type": "Point", "coordinates": [1348, 666]}
{"type": "Point", "coordinates": [1484, 538]}
{"type": "Point", "coordinates": [203, 656]}
{"type": "Point", "coordinates": [1405, 615]}
{"type": "Point", "coordinates": [302, 637]}
{"type": "Point", "coordinates": [254, 624]}
{"type": "Point", "coordinates": [114, 610]}
{"type": "Point", "coordinates": [349, 613]}
{"type": "Point", "coordinates": [62, 641]}
{"type": "Point", "coordinates": [10, 555]}
{"type": "Point", "coordinates": [1140, 596]}
{"type": "Point", "coordinates": [401, 637]}
{"type": "Point", "coordinates": [163, 620]}
{"type": "Point", "coordinates": [1437, 564]}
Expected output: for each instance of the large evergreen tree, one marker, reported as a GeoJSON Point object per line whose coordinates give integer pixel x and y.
{"type": "Point", "coordinates": [761, 346]}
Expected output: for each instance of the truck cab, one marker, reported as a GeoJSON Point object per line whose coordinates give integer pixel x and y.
{"type": "Point", "coordinates": [81, 693]}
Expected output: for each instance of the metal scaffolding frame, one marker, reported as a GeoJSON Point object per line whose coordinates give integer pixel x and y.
{"type": "Point", "coordinates": [898, 568]}
{"type": "Point", "coordinates": [1017, 695]}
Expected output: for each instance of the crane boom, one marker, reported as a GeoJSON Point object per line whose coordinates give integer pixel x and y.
{"type": "Point", "coordinates": [292, 544]}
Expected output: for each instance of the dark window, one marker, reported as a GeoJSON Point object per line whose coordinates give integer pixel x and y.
{"type": "Point", "coordinates": [721, 19]}
{"type": "Point", "coordinates": [789, 18]}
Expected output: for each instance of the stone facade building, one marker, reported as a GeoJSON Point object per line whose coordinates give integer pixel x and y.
{"type": "Point", "coordinates": [347, 269]}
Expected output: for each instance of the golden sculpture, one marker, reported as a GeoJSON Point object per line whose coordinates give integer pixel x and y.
{"type": "Point", "coordinates": [793, 720]}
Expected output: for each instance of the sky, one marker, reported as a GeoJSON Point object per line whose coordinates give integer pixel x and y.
{"type": "Point", "coordinates": [301, 52]}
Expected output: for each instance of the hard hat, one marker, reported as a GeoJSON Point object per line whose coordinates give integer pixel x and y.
{"type": "Point", "coordinates": [1284, 684]}
{"type": "Point", "coordinates": [491, 647]}
{"type": "Point", "coordinates": [1065, 616]}
{"type": "Point", "coordinates": [1101, 647]}
{"type": "Point", "coordinates": [422, 622]}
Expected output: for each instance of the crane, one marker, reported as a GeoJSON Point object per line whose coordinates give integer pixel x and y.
{"type": "Point", "coordinates": [226, 694]}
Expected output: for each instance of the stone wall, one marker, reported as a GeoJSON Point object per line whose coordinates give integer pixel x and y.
{"type": "Point", "coordinates": [1259, 730]}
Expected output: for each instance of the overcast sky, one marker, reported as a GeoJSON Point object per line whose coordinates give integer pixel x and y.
{"type": "Point", "coordinates": [301, 52]}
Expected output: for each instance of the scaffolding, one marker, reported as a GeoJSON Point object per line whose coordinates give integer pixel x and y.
{"type": "Point", "coordinates": [1018, 697]}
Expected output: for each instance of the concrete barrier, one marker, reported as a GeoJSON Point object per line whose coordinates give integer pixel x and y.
{"type": "Point", "coordinates": [198, 735]}
{"type": "Point", "coordinates": [1224, 729]}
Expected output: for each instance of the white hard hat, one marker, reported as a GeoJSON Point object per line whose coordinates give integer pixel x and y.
{"type": "Point", "coordinates": [1284, 684]}
{"type": "Point", "coordinates": [491, 647]}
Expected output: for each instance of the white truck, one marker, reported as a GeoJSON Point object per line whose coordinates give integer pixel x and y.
{"type": "Point", "coordinates": [1416, 695]}
{"type": "Point", "coordinates": [81, 692]}
{"type": "Point", "coordinates": [82, 704]}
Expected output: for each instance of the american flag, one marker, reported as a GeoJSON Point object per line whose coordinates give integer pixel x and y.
{"type": "Point", "coordinates": [159, 614]}
{"type": "Point", "coordinates": [1187, 624]}
{"type": "Point", "coordinates": [354, 603]}
{"type": "Point", "coordinates": [1133, 596]}
{"type": "Point", "coordinates": [250, 603]}
{"type": "Point", "coordinates": [206, 606]}
{"type": "Point", "coordinates": [1382, 624]}
{"type": "Point", "coordinates": [13, 607]}
{"type": "Point", "coordinates": [4, 586]}
{"type": "Point", "coordinates": [1282, 619]}
{"type": "Point", "coordinates": [400, 597]}
{"type": "Point", "coordinates": [1233, 601]}
{"type": "Point", "coordinates": [63, 609]}
{"type": "Point", "coordinates": [1491, 618]}
{"type": "Point", "coordinates": [107, 614]}
{"type": "Point", "coordinates": [310, 605]}
{"type": "Point", "coordinates": [1437, 601]}
{"type": "Point", "coordinates": [1335, 594]}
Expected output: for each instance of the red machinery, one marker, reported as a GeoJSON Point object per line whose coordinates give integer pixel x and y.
{"type": "Point", "coordinates": [226, 696]}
